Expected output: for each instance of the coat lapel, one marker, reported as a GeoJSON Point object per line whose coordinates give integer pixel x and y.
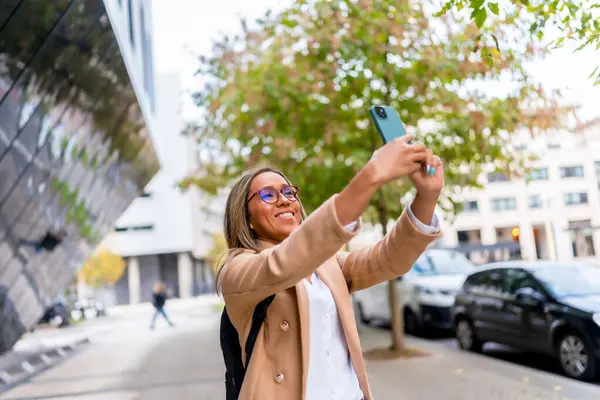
{"type": "Point", "coordinates": [303, 311]}
{"type": "Point", "coordinates": [304, 316]}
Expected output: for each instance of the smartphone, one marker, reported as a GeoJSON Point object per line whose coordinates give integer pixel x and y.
{"type": "Point", "coordinates": [388, 122]}
{"type": "Point", "coordinates": [390, 126]}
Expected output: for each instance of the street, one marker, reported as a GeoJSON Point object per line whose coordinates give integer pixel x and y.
{"type": "Point", "coordinates": [127, 360]}
{"type": "Point", "coordinates": [499, 352]}
{"type": "Point", "coordinates": [506, 353]}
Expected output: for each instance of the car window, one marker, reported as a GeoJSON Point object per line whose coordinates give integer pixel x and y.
{"type": "Point", "coordinates": [489, 283]}
{"type": "Point", "coordinates": [475, 279]}
{"type": "Point", "coordinates": [517, 278]}
{"type": "Point", "coordinates": [416, 270]}
{"type": "Point", "coordinates": [570, 280]}
{"type": "Point", "coordinates": [442, 262]}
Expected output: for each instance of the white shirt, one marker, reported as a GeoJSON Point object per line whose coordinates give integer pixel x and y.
{"type": "Point", "coordinates": [331, 375]}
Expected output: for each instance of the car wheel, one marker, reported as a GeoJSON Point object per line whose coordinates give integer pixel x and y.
{"type": "Point", "coordinates": [361, 314]}
{"type": "Point", "coordinates": [576, 358]}
{"type": "Point", "coordinates": [466, 337]}
{"type": "Point", "coordinates": [411, 324]}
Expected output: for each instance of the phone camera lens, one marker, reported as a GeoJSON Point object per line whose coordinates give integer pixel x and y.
{"type": "Point", "coordinates": [381, 112]}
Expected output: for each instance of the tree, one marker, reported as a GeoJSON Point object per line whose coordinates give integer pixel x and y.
{"type": "Point", "coordinates": [294, 92]}
{"type": "Point", "coordinates": [217, 251]}
{"type": "Point", "coordinates": [102, 268]}
{"type": "Point", "coordinates": [574, 20]}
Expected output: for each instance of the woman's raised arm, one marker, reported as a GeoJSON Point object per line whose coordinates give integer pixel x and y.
{"type": "Point", "coordinates": [249, 277]}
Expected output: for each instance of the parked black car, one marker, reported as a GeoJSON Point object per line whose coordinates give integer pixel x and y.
{"type": "Point", "coordinates": [546, 307]}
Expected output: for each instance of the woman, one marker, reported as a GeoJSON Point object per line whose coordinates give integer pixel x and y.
{"type": "Point", "coordinates": [308, 347]}
{"type": "Point", "coordinates": [159, 298]}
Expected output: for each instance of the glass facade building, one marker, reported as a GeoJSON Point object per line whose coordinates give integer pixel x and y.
{"type": "Point", "coordinates": [74, 149]}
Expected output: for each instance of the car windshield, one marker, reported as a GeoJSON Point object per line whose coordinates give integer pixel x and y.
{"type": "Point", "coordinates": [570, 280]}
{"type": "Point", "coordinates": [442, 262]}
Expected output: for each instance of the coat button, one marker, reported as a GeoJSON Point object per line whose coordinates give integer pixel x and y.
{"type": "Point", "coordinates": [285, 326]}
{"type": "Point", "coordinates": [279, 378]}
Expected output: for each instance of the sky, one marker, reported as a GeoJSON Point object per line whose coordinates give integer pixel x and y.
{"type": "Point", "coordinates": [185, 30]}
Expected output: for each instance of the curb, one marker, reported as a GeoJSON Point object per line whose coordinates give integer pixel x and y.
{"type": "Point", "coordinates": [34, 364]}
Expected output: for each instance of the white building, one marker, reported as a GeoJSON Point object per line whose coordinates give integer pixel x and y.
{"type": "Point", "coordinates": [165, 234]}
{"type": "Point", "coordinates": [554, 214]}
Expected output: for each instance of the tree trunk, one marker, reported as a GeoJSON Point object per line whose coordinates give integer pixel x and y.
{"type": "Point", "coordinates": [396, 312]}
{"type": "Point", "coordinates": [397, 317]}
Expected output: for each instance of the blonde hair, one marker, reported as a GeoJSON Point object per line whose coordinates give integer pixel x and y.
{"type": "Point", "coordinates": [239, 235]}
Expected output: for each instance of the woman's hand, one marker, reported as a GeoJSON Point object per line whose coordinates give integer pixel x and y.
{"type": "Point", "coordinates": [429, 186]}
{"type": "Point", "coordinates": [391, 161]}
{"type": "Point", "coordinates": [397, 159]}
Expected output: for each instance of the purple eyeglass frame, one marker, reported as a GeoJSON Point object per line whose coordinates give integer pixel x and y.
{"type": "Point", "coordinates": [279, 191]}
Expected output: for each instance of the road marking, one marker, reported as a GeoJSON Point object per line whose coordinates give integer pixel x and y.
{"type": "Point", "coordinates": [27, 367]}
{"type": "Point", "coordinates": [47, 360]}
{"type": "Point", "coordinates": [5, 377]}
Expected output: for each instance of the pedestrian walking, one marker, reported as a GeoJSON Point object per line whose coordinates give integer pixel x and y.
{"type": "Point", "coordinates": [159, 299]}
{"type": "Point", "coordinates": [308, 347]}
{"type": "Point", "coordinates": [47, 242]}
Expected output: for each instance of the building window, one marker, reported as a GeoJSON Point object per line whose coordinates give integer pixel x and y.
{"type": "Point", "coordinates": [597, 167]}
{"type": "Point", "coordinates": [504, 204]}
{"type": "Point", "coordinates": [538, 174]}
{"type": "Point", "coordinates": [135, 228]}
{"type": "Point", "coordinates": [497, 177]}
{"type": "Point", "coordinates": [465, 237]}
{"type": "Point", "coordinates": [582, 239]}
{"type": "Point", "coordinates": [574, 198]}
{"type": "Point", "coordinates": [571, 172]}
{"type": "Point", "coordinates": [470, 206]}
{"type": "Point", "coordinates": [131, 30]}
{"type": "Point", "coordinates": [535, 201]}
{"type": "Point", "coordinates": [147, 60]}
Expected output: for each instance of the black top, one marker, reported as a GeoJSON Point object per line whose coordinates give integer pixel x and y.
{"type": "Point", "coordinates": [159, 299]}
{"type": "Point", "coordinates": [49, 242]}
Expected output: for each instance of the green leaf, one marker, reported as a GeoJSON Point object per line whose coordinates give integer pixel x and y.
{"type": "Point", "coordinates": [559, 42]}
{"type": "Point", "coordinates": [494, 8]}
{"type": "Point", "coordinates": [447, 6]}
{"type": "Point", "coordinates": [496, 42]}
{"type": "Point", "coordinates": [480, 17]}
{"type": "Point", "coordinates": [477, 4]}
{"type": "Point", "coordinates": [533, 27]}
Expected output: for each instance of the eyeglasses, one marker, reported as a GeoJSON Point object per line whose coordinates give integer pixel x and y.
{"type": "Point", "coordinates": [271, 195]}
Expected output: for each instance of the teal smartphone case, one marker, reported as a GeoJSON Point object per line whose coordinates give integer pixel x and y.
{"type": "Point", "coordinates": [390, 127]}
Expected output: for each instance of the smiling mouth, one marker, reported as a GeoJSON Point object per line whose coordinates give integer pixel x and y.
{"type": "Point", "coordinates": [287, 214]}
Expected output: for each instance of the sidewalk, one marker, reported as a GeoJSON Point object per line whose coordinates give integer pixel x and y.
{"type": "Point", "coordinates": [449, 374]}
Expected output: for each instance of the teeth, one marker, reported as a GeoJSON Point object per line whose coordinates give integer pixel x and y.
{"type": "Point", "coordinates": [287, 214]}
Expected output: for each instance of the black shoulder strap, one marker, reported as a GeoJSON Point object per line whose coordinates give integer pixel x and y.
{"type": "Point", "coordinates": [258, 317]}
